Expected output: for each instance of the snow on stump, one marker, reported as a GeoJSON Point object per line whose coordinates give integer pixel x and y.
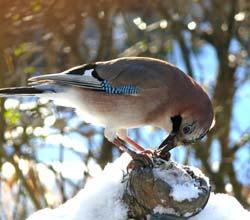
{"type": "Point", "coordinates": [167, 191]}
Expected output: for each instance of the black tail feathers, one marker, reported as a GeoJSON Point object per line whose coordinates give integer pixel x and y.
{"type": "Point", "coordinates": [20, 91]}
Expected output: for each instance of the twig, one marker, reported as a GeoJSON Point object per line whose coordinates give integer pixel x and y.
{"type": "Point", "coordinates": [244, 139]}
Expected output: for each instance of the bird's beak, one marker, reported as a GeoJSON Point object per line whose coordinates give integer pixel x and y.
{"type": "Point", "coordinates": [169, 143]}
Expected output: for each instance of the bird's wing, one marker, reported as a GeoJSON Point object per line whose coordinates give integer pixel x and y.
{"type": "Point", "coordinates": [120, 76]}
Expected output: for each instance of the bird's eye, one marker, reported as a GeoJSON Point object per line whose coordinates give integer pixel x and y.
{"type": "Point", "coordinates": [187, 129]}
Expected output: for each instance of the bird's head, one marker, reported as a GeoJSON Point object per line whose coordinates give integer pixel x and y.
{"type": "Point", "coordinates": [194, 127]}
{"type": "Point", "coordinates": [190, 125]}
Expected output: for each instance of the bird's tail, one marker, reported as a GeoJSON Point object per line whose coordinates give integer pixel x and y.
{"type": "Point", "coordinates": [26, 91]}
{"type": "Point", "coordinates": [23, 91]}
{"type": "Point", "coordinates": [46, 90]}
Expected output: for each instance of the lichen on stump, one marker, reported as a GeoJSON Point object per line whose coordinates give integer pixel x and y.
{"type": "Point", "coordinates": [165, 191]}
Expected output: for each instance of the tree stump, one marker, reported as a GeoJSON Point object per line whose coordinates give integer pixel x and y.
{"type": "Point", "coordinates": [166, 191]}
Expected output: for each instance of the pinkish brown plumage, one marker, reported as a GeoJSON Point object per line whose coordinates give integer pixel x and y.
{"type": "Point", "coordinates": [130, 92]}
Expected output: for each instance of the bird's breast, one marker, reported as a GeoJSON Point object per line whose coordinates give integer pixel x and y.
{"type": "Point", "coordinates": [120, 111]}
{"type": "Point", "coordinates": [116, 110]}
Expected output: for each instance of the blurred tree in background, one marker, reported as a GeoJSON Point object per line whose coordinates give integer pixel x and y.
{"type": "Point", "coordinates": [47, 154]}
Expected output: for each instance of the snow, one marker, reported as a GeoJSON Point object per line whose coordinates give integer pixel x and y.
{"type": "Point", "coordinates": [163, 210]}
{"type": "Point", "coordinates": [198, 173]}
{"type": "Point", "coordinates": [188, 191]}
{"type": "Point", "coordinates": [222, 206]}
{"type": "Point", "coordinates": [219, 207]}
{"type": "Point", "coordinates": [101, 199]}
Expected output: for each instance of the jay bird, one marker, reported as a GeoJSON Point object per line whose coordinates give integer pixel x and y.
{"type": "Point", "coordinates": [128, 93]}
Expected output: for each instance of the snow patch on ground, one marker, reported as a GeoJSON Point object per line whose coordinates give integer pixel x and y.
{"type": "Point", "coordinates": [222, 207]}
{"type": "Point", "coordinates": [99, 200]}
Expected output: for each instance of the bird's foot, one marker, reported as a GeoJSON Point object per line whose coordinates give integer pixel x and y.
{"type": "Point", "coordinates": [141, 160]}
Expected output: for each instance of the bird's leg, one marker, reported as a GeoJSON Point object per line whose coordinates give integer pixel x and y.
{"type": "Point", "coordinates": [140, 159]}
{"type": "Point", "coordinates": [122, 133]}
{"type": "Point", "coordinates": [134, 144]}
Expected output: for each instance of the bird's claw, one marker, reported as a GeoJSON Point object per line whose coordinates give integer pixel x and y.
{"type": "Point", "coordinates": [141, 160]}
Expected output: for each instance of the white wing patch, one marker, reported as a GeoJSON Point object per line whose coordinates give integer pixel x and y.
{"type": "Point", "coordinates": [88, 72]}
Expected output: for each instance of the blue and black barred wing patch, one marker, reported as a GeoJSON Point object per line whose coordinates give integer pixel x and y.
{"type": "Point", "coordinates": [128, 89]}
{"type": "Point", "coordinates": [91, 80]}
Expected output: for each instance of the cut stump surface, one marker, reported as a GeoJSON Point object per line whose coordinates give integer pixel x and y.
{"type": "Point", "coordinates": [167, 191]}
